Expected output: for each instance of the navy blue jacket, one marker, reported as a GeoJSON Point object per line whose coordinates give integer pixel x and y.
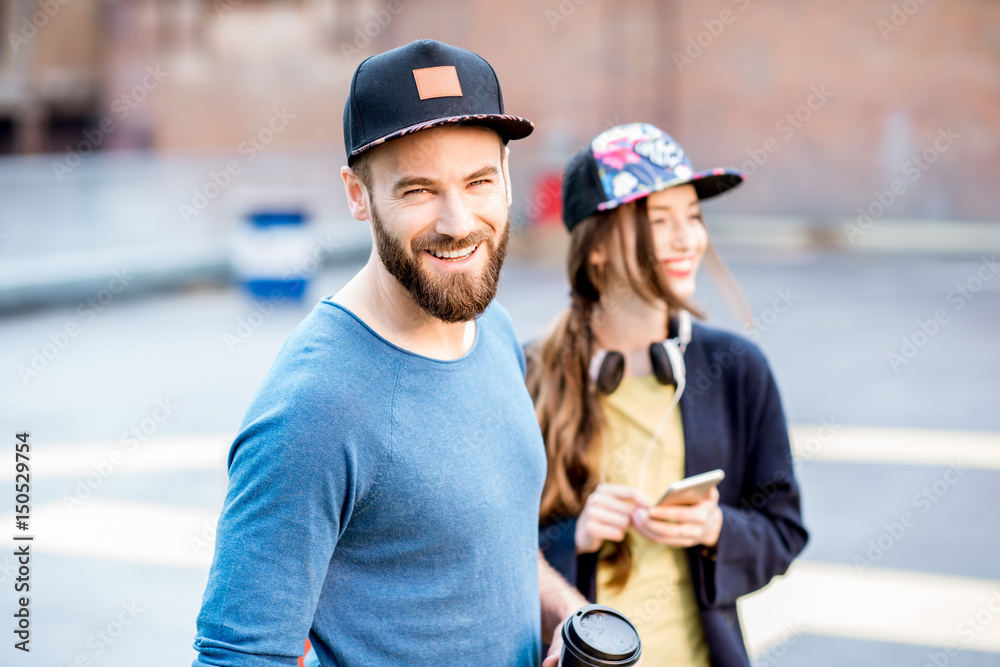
{"type": "Point", "coordinates": [732, 420]}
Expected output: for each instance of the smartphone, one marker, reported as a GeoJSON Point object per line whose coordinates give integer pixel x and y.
{"type": "Point", "coordinates": [692, 489]}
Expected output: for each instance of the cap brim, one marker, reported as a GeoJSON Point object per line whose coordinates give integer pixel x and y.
{"type": "Point", "coordinates": [707, 184]}
{"type": "Point", "coordinates": [714, 182]}
{"type": "Point", "coordinates": [508, 127]}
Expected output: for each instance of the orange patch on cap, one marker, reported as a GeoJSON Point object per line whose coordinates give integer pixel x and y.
{"type": "Point", "coordinates": [437, 82]}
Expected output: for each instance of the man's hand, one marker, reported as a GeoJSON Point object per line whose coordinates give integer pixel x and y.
{"type": "Point", "coordinates": [681, 525]}
{"type": "Point", "coordinates": [559, 601]}
{"type": "Point", "coordinates": [555, 649]}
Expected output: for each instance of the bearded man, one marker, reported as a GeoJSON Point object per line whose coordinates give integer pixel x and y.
{"type": "Point", "coordinates": [384, 486]}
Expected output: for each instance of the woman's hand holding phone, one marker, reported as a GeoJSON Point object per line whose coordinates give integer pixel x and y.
{"type": "Point", "coordinates": [606, 516]}
{"type": "Point", "coordinates": [681, 525]}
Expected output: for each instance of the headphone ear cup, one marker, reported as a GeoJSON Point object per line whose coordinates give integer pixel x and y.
{"type": "Point", "coordinates": [663, 369]}
{"type": "Point", "coordinates": [611, 373]}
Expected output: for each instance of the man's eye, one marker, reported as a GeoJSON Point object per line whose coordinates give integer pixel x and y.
{"type": "Point", "coordinates": [481, 181]}
{"type": "Point", "coordinates": [416, 191]}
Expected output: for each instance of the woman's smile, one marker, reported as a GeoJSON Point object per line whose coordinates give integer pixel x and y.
{"type": "Point", "coordinates": [680, 267]}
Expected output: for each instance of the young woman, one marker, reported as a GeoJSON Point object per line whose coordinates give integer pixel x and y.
{"type": "Point", "coordinates": [623, 418]}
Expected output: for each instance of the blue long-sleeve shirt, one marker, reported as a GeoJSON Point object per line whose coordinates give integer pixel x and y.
{"type": "Point", "coordinates": [383, 502]}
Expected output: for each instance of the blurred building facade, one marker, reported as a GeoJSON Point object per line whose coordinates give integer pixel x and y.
{"type": "Point", "coordinates": [829, 107]}
{"type": "Point", "coordinates": [50, 69]}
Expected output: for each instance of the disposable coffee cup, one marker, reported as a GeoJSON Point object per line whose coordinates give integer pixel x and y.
{"type": "Point", "coordinates": [599, 636]}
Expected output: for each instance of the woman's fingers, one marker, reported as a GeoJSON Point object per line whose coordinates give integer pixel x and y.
{"type": "Point", "coordinates": [679, 525]}
{"type": "Point", "coordinates": [697, 513]}
{"type": "Point", "coordinates": [618, 519]}
{"type": "Point", "coordinates": [612, 508]}
{"type": "Point", "coordinates": [622, 492]}
{"type": "Point", "coordinates": [606, 516]}
{"type": "Point", "coordinates": [679, 513]}
{"type": "Point", "coordinates": [656, 533]}
{"type": "Point", "coordinates": [672, 534]}
{"type": "Point", "coordinates": [603, 531]}
{"type": "Point", "coordinates": [612, 504]}
{"type": "Point", "coordinates": [671, 540]}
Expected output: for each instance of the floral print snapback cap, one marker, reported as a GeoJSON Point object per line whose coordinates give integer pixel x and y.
{"type": "Point", "coordinates": [638, 159]}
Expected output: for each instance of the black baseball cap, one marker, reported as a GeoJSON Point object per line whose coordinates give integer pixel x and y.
{"type": "Point", "coordinates": [419, 86]}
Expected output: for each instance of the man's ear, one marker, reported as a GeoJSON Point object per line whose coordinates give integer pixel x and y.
{"type": "Point", "coordinates": [506, 175]}
{"type": "Point", "coordinates": [357, 196]}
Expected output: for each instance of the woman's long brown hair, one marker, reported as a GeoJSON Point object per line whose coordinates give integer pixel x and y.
{"type": "Point", "coordinates": [557, 376]}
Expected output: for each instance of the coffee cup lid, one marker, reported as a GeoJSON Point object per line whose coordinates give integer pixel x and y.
{"type": "Point", "coordinates": [602, 632]}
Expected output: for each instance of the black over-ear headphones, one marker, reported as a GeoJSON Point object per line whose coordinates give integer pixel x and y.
{"type": "Point", "coordinates": [607, 367]}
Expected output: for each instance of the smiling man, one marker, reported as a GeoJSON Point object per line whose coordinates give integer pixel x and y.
{"type": "Point", "coordinates": [385, 483]}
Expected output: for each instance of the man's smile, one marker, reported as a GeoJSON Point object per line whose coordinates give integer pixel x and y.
{"type": "Point", "coordinates": [454, 256]}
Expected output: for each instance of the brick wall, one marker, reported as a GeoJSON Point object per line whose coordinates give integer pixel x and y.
{"type": "Point", "coordinates": [720, 75]}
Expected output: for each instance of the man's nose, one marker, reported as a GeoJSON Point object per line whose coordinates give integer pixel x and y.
{"type": "Point", "coordinates": [454, 217]}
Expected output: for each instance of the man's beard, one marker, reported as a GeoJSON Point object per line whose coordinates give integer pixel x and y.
{"type": "Point", "coordinates": [457, 297]}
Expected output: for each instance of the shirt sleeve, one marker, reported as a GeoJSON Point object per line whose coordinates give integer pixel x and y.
{"type": "Point", "coordinates": [763, 534]}
{"type": "Point", "coordinates": [298, 469]}
{"type": "Point", "coordinates": [557, 542]}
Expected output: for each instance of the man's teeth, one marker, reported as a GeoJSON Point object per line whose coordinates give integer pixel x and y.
{"type": "Point", "coordinates": [454, 254]}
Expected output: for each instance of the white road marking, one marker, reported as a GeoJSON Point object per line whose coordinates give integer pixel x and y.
{"type": "Point", "coordinates": [810, 442]}
{"type": "Point", "coordinates": [877, 604]}
{"type": "Point", "coordinates": [856, 444]}
{"type": "Point", "coordinates": [196, 452]}
{"type": "Point", "coordinates": [813, 598]}
{"type": "Point", "coordinates": [131, 532]}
